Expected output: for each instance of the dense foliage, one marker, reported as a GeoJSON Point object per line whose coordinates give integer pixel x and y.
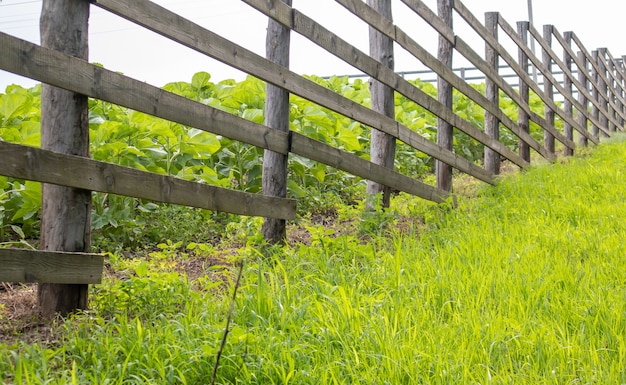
{"type": "Point", "coordinates": [138, 140]}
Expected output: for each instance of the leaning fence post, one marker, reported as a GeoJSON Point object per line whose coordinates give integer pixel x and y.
{"type": "Point", "coordinates": [383, 145]}
{"type": "Point", "coordinates": [276, 116]}
{"type": "Point", "coordinates": [582, 78]}
{"type": "Point", "coordinates": [523, 118]}
{"type": "Point", "coordinates": [492, 123]}
{"type": "Point", "coordinates": [445, 130]}
{"type": "Point", "coordinates": [66, 212]}
{"type": "Point", "coordinates": [568, 130]}
{"type": "Point", "coordinates": [548, 138]}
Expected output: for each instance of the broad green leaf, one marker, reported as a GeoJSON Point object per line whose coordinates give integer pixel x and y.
{"type": "Point", "coordinates": [11, 105]}
{"type": "Point", "coordinates": [200, 80]}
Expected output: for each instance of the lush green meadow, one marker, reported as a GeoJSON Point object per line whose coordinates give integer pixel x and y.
{"type": "Point", "coordinates": [523, 283]}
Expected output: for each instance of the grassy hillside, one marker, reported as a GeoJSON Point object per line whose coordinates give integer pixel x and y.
{"type": "Point", "coordinates": [524, 283]}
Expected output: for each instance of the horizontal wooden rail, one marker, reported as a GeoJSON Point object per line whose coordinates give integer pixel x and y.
{"type": "Point", "coordinates": [39, 165]}
{"type": "Point", "coordinates": [385, 26]}
{"type": "Point", "coordinates": [22, 265]}
{"type": "Point", "coordinates": [55, 68]}
{"type": "Point", "coordinates": [334, 44]}
{"type": "Point", "coordinates": [179, 29]}
{"type": "Point", "coordinates": [464, 49]}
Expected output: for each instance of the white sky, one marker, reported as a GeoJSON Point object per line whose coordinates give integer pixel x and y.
{"type": "Point", "coordinates": [122, 46]}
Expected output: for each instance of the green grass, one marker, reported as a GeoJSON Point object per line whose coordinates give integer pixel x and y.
{"type": "Point", "coordinates": [524, 284]}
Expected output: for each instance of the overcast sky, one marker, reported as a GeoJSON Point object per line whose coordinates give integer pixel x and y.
{"type": "Point", "coordinates": [124, 47]}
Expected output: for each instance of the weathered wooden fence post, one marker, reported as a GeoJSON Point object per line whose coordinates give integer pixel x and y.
{"type": "Point", "coordinates": [595, 92]}
{"type": "Point", "coordinates": [523, 119]}
{"type": "Point", "coordinates": [383, 145]}
{"type": "Point", "coordinates": [548, 138]}
{"type": "Point", "coordinates": [66, 212]}
{"type": "Point", "coordinates": [602, 92]}
{"type": "Point", "coordinates": [445, 131]}
{"type": "Point", "coordinates": [607, 88]}
{"type": "Point", "coordinates": [568, 130]}
{"type": "Point", "coordinates": [275, 165]}
{"type": "Point", "coordinates": [492, 123]}
{"type": "Point", "coordinates": [582, 78]}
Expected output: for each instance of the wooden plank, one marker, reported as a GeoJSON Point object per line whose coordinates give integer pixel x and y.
{"type": "Point", "coordinates": [599, 90]}
{"type": "Point", "coordinates": [22, 265]}
{"type": "Point", "coordinates": [51, 67]}
{"type": "Point", "coordinates": [445, 93]}
{"type": "Point", "coordinates": [64, 117]}
{"type": "Point", "coordinates": [534, 86]}
{"type": "Point", "coordinates": [481, 30]}
{"type": "Point", "coordinates": [595, 78]}
{"type": "Point", "coordinates": [277, 108]}
{"type": "Point", "coordinates": [569, 76]}
{"type": "Point", "coordinates": [193, 36]}
{"type": "Point", "coordinates": [523, 119]}
{"type": "Point", "coordinates": [355, 165]}
{"type": "Point", "coordinates": [492, 123]}
{"type": "Point", "coordinates": [382, 145]}
{"type": "Point", "coordinates": [405, 41]}
{"type": "Point", "coordinates": [343, 50]}
{"type": "Point", "coordinates": [465, 50]}
{"type": "Point", "coordinates": [579, 63]}
{"type": "Point", "coordinates": [548, 84]}
{"type": "Point", "coordinates": [582, 99]}
{"type": "Point", "coordinates": [432, 19]}
{"type": "Point", "coordinates": [73, 171]}
{"type": "Point", "coordinates": [567, 84]}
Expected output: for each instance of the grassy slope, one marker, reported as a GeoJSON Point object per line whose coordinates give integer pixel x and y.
{"type": "Point", "coordinates": [525, 284]}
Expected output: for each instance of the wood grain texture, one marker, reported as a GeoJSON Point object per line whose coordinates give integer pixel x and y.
{"type": "Point", "coordinates": [523, 119]}
{"type": "Point", "coordinates": [73, 171]}
{"type": "Point", "coordinates": [200, 39]}
{"type": "Point", "coordinates": [65, 212]}
{"type": "Point", "coordinates": [275, 165]}
{"type": "Point", "coordinates": [34, 266]}
{"type": "Point", "coordinates": [382, 145]}
{"type": "Point", "coordinates": [445, 131]}
{"type": "Point", "coordinates": [492, 123]}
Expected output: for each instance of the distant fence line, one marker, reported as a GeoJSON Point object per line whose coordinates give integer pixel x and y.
{"type": "Point", "coordinates": [591, 84]}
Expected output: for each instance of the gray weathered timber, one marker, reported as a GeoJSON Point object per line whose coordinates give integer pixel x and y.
{"type": "Point", "coordinates": [566, 71]}
{"type": "Point", "coordinates": [99, 83]}
{"type": "Point", "coordinates": [595, 111]}
{"type": "Point", "coordinates": [568, 51]}
{"type": "Point", "coordinates": [77, 172]}
{"type": "Point", "coordinates": [480, 29]}
{"type": "Point", "coordinates": [65, 212]}
{"type": "Point", "coordinates": [63, 71]}
{"type": "Point", "coordinates": [445, 131]}
{"type": "Point", "coordinates": [368, 15]}
{"type": "Point", "coordinates": [343, 50]}
{"type": "Point", "coordinates": [492, 123]}
{"type": "Point", "coordinates": [382, 145]}
{"type": "Point", "coordinates": [465, 50]}
{"type": "Point", "coordinates": [512, 33]}
{"type": "Point", "coordinates": [582, 99]}
{"type": "Point", "coordinates": [523, 119]}
{"type": "Point", "coordinates": [35, 266]}
{"type": "Point", "coordinates": [548, 139]}
{"type": "Point", "coordinates": [275, 167]}
{"type": "Point", "coordinates": [568, 84]}
{"type": "Point", "coordinates": [175, 27]}
{"type": "Point", "coordinates": [355, 165]}
{"type": "Point", "coordinates": [595, 72]}
{"type": "Point", "coordinates": [610, 84]}
{"type": "Point", "coordinates": [602, 92]}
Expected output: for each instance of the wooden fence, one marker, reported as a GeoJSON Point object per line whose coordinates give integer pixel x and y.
{"type": "Point", "coordinates": [592, 85]}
